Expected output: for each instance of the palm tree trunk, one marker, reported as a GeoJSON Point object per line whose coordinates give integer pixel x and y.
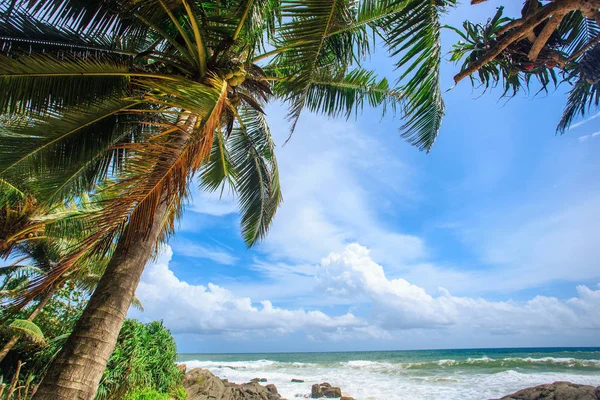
{"type": "Point", "coordinates": [77, 370]}
{"type": "Point", "coordinates": [15, 338]}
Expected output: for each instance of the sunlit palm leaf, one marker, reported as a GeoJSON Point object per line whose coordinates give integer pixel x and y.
{"type": "Point", "coordinates": [29, 329]}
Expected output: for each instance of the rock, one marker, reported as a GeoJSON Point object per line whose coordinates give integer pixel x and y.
{"type": "Point", "coordinates": [346, 398]}
{"type": "Point", "coordinates": [557, 391]}
{"type": "Point", "coordinates": [254, 379]}
{"type": "Point", "coordinates": [332, 392]}
{"type": "Point", "coordinates": [182, 368]}
{"type": "Point", "coordinates": [325, 389]}
{"type": "Point", "coordinates": [315, 391]}
{"type": "Point", "coordinates": [263, 380]}
{"type": "Point", "coordinates": [201, 384]}
{"type": "Point", "coordinates": [272, 388]}
{"type": "Point", "coordinates": [294, 380]}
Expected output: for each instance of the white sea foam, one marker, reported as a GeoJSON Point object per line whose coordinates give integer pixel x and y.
{"type": "Point", "coordinates": [375, 380]}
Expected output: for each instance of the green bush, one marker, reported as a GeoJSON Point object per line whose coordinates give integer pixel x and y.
{"type": "Point", "coordinates": [143, 362]}
{"type": "Point", "coordinates": [147, 394]}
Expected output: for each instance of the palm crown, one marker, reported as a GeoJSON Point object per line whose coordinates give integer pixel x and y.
{"type": "Point", "coordinates": [550, 44]}
{"type": "Point", "coordinates": [144, 94]}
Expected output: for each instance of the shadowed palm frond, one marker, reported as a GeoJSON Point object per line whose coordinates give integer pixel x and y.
{"type": "Point", "coordinates": [36, 84]}
{"type": "Point", "coordinates": [413, 35]}
{"type": "Point", "coordinates": [347, 94]}
{"type": "Point", "coordinates": [585, 93]}
{"type": "Point", "coordinates": [46, 148]}
{"type": "Point", "coordinates": [312, 49]}
{"type": "Point", "coordinates": [257, 176]}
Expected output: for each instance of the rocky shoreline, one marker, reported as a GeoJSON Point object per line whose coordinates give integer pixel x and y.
{"type": "Point", "coordinates": [201, 384]}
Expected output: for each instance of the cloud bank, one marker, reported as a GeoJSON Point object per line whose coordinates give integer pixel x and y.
{"type": "Point", "coordinates": [382, 306]}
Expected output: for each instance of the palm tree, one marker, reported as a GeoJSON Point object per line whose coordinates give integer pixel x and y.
{"type": "Point", "coordinates": [37, 255]}
{"type": "Point", "coordinates": [552, 44]}
{"type": "Point", "coordinates": [143, 95]}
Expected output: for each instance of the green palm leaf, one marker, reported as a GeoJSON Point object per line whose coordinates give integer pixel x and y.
{"type": "Point", "coordinates": [257, 176]}
{"type": "Point", "coordinates": [36, 84]}
{"type": "Point", "coordinates": [585, 93]}
{"type": "Point", "coordinates": [312, 50]}
{"type": "Point", "coordinates": [70, 150]}
{"type": "Point", "coordinates": [28, 329]}
{"type": "Point", "coordinates": [413, 35]}
{"type": "Point", "coordinates": [347, 94]}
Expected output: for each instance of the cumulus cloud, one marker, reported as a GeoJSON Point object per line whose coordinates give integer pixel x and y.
{"type": "Point", "coordinates": [397, 304]}
{"type": "Point", "coordinates": [337, 183]}
{"type": "Point", "coordinates": [383, 306]}
{"type": "Point", "coordinates": [209, 309]}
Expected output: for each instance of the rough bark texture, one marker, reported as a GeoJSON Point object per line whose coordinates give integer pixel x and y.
{"type": "Point", "coordinates": [13, 340]}
{"type": "Point", "coordinates": [76, 372]}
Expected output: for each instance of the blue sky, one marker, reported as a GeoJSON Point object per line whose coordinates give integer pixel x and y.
{"type": "Point", "coordinates": [488, 241]}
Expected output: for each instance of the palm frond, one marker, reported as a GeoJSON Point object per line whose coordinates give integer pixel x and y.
{"type": "Point", "coordinates": [582, 97]}
{"type": "Point", "coordinates": [311, 48]}
{"type": "Point", "coordinates": [36, 84]}
{"type": "Point", "coordinates": [347, 94]}
{"type": "Point", "coordinates": [29, 329]}
{"type": "Point", "coordinates": [257, 176]}
{"type": "Point", "coordinates": [137, 304]}
{"type": "Point", "coordinates": [413, 35]}
{"type": "Point", "coordinates": [89, 18]}
{"type": "Point", "coordinates": [218, 170]}
{"type": "Point", "coordinates": [57, 146]}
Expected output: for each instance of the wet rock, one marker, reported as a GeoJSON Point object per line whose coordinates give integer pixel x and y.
{"type": "Point", "coordinates": [201, 384]}
{"type": "Point", "coordinates": [557, 391]}
{"type": "Point", "coordinates": [294, 380]}
{"type": "Point", "coordinates": [325, 389]}
{"type": "Point", "coordinates": [272, 389]}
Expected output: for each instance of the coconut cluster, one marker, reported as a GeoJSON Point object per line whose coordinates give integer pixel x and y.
{"type": "Point", "coordinates": [234, 75]}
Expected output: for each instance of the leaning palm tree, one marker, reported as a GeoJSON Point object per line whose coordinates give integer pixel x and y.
{"type": "Point", "coordinates": [143, 95]}
{"type": "Point", "coordinates": [548, 44]}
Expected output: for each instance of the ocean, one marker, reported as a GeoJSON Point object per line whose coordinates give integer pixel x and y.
{"type": "Point", "coordinates": [409, 375]}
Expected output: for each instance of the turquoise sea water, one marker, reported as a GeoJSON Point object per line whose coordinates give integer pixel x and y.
{"type": "Point", "coordinates": [422, 374]}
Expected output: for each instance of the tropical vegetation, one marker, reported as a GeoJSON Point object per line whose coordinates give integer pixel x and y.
{"type": "Point", "coordinates": [112, 109]}
{"type": "Point", "coordinates": [548, 45]}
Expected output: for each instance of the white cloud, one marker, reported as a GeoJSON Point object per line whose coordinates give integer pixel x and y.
{"type": "Point", "coordinates": [385, 306]}
{"type": "Point", "coordinates": [338, 183]}
{"type": "Point", "coordinates": [213, 253]}
{"type": "Point", "coordinates": [578, 124]}
{"type": "Point", "coordinates": [396, 304]}
{"type": "Point", "coordinates": [586, 137]}
{"type": "Point", "coordinates": [213, 203]}
{"type": "Point", "coordinates": [200, 309]}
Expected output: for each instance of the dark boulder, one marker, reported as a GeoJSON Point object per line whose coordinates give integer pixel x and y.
{"type": "Point", "coordinates": [325, 389]}
{"type": "Point", "coordinates": [201, 384]}
{"type": "Point", "coordinates": [557, 391]}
